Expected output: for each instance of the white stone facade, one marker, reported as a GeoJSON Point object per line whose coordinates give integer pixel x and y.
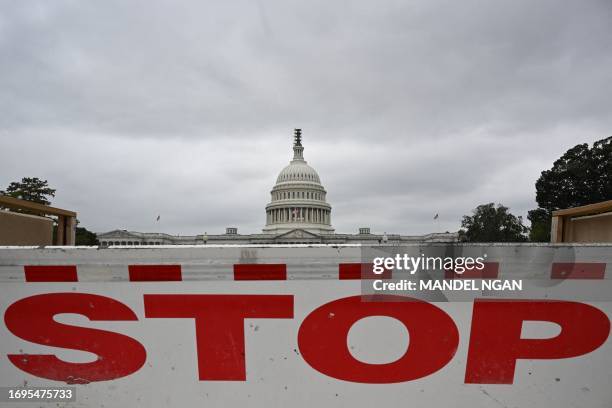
{"type": "Point", "coordinates": [297, 213]}
{"type": "Point", "coordinates": [298, 198]}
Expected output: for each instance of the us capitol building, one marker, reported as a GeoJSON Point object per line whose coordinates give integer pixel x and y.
{"type": "Point", "coordinates": [298, 213]}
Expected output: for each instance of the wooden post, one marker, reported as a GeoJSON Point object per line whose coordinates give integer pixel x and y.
{"type": "Point", "coordinates": [70, 230]}
{"type": "Point", "coordinates": [60, 233]}
{"type": "Point", "coordinates": [556, 229]}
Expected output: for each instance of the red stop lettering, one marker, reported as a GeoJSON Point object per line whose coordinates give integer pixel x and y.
{"type": "Point", "coordinates": [219, 321]}
{"type": "Point", "coordinates": [496, 343]}
{"type": "Point", "coordinates": [322, 339]}
{"type": "Point", "coordinates": [32, 319]}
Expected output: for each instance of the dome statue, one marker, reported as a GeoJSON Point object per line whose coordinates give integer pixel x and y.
{"type": "Point", "coordinates": [298, 198]}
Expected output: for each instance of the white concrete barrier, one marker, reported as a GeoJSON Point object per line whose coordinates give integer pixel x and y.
{"type": "Point", "coordinates": [287, 326]}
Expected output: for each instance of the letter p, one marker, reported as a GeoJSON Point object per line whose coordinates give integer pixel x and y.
{"type": "Point", "coordinates": [496, 343]}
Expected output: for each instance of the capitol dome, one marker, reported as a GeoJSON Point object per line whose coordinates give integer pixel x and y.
{"type": "Point", "coordinates": [298, 171]}
{"type": "Point", "coordinates": [298, 200]}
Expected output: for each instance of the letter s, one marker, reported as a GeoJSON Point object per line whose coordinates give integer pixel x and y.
{"type": "Point", "coordinates": [31, 319]}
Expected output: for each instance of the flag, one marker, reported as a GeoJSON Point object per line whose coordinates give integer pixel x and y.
{"type": "Point", "coordinates": [436, 216]}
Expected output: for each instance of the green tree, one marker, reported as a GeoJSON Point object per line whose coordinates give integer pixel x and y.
{"type": "Point", "coordinates": [490, 223]}
{"type": "Point", "coordinates": [540, 225]}
{"type": "Point", "coordinates": [85, 237]}
{"type": "Point", "coordinates": [30, 189]}
{"type": "Point", "coordinates": [581, 176]}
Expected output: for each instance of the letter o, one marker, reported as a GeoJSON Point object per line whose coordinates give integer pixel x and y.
{"type": "Point", "coordinates": [322, 339]}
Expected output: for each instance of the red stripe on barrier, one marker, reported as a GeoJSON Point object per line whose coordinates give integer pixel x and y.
{"type": "Point", "coordinates": [50, 273]}
{"type": "Point", "coordinates": [243, 272]}
{"type": "Point", "coordinates": [360, 271]}
{"type": "Point", "coordinates": [155, 273]}
{"type": "Point", "coordinates": [577, 270]}
{"type": "Point", "coordinates": [490, 271]}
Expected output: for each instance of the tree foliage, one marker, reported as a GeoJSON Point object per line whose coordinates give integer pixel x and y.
{"type": "Point", "coordinates": [30, 189]}
{"type": "Point", "coordinates": [85, 237]}
{"type": "Point", "coordinates": [540, 225]}
{"type": "Point", "coordinates": [490, 223]}
{"type": "Point", "coordinates": [583, 175]}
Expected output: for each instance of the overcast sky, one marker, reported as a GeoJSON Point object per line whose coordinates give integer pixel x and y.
{"type": "Point", "coordinates": [185, 109]}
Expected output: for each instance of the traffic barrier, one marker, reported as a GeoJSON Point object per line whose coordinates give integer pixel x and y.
{"type": "Point", "coordinates": [272, 326]}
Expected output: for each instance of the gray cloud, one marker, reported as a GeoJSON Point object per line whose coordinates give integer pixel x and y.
{"type": "Point", "coordinates": [185, 109]}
